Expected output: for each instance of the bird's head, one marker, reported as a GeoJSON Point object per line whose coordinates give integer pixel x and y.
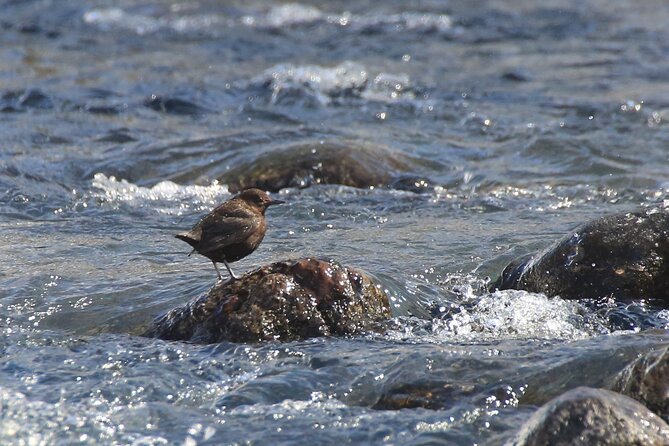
{"type": "Point", "coordinates": [258, 199]}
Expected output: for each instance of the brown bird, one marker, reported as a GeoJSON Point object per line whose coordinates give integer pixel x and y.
{"type": "Point", "coordinates": [232, 230]}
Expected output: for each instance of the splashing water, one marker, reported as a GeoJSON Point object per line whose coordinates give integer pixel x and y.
{"type": "Point", "coordinates": [174, 198]}
{"type": "Point", "coordinates": [512, 314]}
{"type": "Point", "coordinates": [323, 83]}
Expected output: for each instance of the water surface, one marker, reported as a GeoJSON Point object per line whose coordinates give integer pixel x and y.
{"type": "Point", "coordinates": [116, 120]}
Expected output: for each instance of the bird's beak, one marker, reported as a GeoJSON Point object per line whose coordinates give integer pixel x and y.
{"type": "Point", "coordinates": [273, 202]}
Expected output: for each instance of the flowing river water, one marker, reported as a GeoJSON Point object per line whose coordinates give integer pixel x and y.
{"type": "Point", "coordinates": [116, 119]}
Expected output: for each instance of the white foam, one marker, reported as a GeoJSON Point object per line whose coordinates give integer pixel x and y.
{"type": "Point", "coordinates": [322, 82]}
{"type": "Point", "coordinates": [519, 314]}
{"type": "Point", "coordinates": [513, 314]}
{"type": "Point", "coordinates": [296, 13]}
{"type": "Point", "coordinates": [407, 20]}
{"type": "Point", "coordinates": [291, 14]}
{"type": "Point", "coordinates": [166, 196]}
{"type": "Point", "coordinates": [109, 18]}
{"type": "Point", "coordinates": [114, 18]}
{"type": "Point", "coordinates": [387, 87]}
{"type": "Point", "coordinates": [276, 17]}
{"type": "Point", "coordinates": [326, 83]}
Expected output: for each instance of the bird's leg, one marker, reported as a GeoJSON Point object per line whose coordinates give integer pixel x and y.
{"type": "Point", "coordinates": [232, 275]}
{"type": "Point", "coordinates": [217, 271]}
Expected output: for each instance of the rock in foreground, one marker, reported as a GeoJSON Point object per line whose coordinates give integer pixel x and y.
{"type": "Point", "coordinates": [586, 416]}
{"type": "Point", "coordinates": [624, 256]}
{"type": "Point", "coordinates": [647, 380]}
{"type": "Point", "coordinates": [281, 301]}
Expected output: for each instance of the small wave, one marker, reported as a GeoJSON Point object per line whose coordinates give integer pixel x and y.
{"type": "Point", "coordinates": [31, 421]}
{"type": "Point", "coordinates": [171, 198]}
{"type": "Point", "coordinates": [276, 17]}
{"type": "Point", "coordinates": [115, 18]}
{"type": "Point", "coordinates": [294, 13]}
{"type": "Point", "coordinates": [387, 87]}
{"type": "Point", "coordinates": [414, 21]}
{"type": "Point", "coordinates": [546, 197]}
{"type": "Point", "coordinates": [557, 197]}
{"type": "Point", "coordinates": [322, 83]}
{"type": "Point", "coordinates": [325, 84]}
{"type": "Point", "coordinates": [288, 14]}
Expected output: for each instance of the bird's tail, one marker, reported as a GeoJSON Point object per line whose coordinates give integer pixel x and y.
{"type": "Point", "coordinates": [188, 238]}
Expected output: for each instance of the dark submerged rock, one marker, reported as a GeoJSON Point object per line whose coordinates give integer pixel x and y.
{"type": "Point", "coordinates": [282, 301]}
{"type": "Point", "coordinates": [428, 394]}
{"type": "Point", "coordinates": [174, 106]}
{"type": "Point", "coordinates": [413, 183]}
{"type": "Point", "coordinates": [305, 165]}
{"type": "Point", "coordinates": [104, 109]}
{"type": "Point", "coordinates": [515, 76]}
{"type": "Point", "coordinates": [647, 380]}
{"type": "Point", "coordinates": [587, 416]}
{"type": "Point", "coordinates": [119, 136]}
{"type": "Point", "coordinates": [21, 100]}
{"type": "Point", "coordinates": [624, 256]}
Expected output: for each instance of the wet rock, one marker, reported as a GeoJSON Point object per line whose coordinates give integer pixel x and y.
{"type": "Point", "coordinates": [20, 100]}
{"type": "Point", "coordinates": [404, 385]}
{"type": "Point", "coordinates": [104, 109]}
{"type": "Point", "coordinates": [174, 106]}
{"type": "Point", "coordinates": [647, 380]}
{"type": "Point", "coordinates": [119, 136]}
{"type": "Point", "coordinates": [427, 394]}
{"type": "Point", "coordinates": [281, 301]}
{"type": "Point", "coordinates": [101, 101]}
{"type": "Point", "coordinates": [34, 99]}
{"type": "Point", "coordinates": [587, 416]}
{"type": "Point", "coordinates": [330, 163]}
{"type": "Point", "coordinates": [44, 138]}
{"type": "Point", "coordinates": [624, 256]}
{"type": "Point", "coordinates": [515, 76]}
{"type": "Point", "coordinates": [412, 183]}
{"type": "Point", "coordinates": [34, 28]}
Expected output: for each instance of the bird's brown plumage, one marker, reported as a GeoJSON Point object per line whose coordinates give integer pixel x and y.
{"type": "Point", "coordinates": [232, 230]}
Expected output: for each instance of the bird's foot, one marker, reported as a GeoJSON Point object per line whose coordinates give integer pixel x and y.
{"type": "Point", "coordinates": [227, 281]}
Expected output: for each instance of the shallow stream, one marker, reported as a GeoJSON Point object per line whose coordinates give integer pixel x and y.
{"type": "Point", "coordinates": [116, 118]}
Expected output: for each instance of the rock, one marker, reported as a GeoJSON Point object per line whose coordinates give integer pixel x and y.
{"type": "Point", "coordinates": [403, 385]}
{"type": "Point", "coordinates": [21, 100]}
{"type": "Point", "coordinates": [282, 301]}
{"type": "Point", "coordinates": [304, 165]}
{"type": "Point", "coordinates": [428, 394]}
{"type": "Point", "coordinates": [587, 416]}
{"type": "Point", "coordinates": [515, 76]}
{"type": "Point", "coordinates": [647, 380]}
{"type": "Point", "coordinates": [174, 106]}
{"type": "Point", "coordinates": [413, 183]}
{"type": "Point", "coordinates": [119, 136]}
{"type": "Point", "coordinates": [624, 256]}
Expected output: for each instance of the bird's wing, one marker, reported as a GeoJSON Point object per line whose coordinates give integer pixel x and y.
{"type": "Point", "coordinates": [219, 230]}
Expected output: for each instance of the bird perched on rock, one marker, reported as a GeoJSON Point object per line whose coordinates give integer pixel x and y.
{"type": "Point", "coordinates": [232, 230]}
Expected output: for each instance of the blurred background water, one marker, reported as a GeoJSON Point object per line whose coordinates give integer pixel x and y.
{"type": "Point", "coordinates": [117, 118]}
